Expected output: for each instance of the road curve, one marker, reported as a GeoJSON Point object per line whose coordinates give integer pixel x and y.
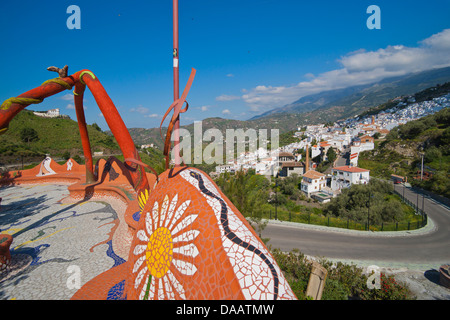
{"type": "Point", "coordinates": [427, 246]}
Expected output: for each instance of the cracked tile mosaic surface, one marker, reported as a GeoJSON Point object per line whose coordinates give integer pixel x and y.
{"type": "Point", "coordinates": [193, 244]}
{"type": "Point", "coordinates": [51, 236]}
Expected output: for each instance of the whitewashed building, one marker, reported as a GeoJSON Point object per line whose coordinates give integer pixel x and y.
{"type": "Point", "coordinates": [313, 181]}
{"type": "Point", "coordinates": [343, 177]}
{"type": "Point", "coordinates": [52, 113]}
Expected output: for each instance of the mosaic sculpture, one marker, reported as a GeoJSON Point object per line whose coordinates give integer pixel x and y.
{"type": "Point", "coordinates": [183, 238]}
{"type": "Point", "coordinates": [189, 240]}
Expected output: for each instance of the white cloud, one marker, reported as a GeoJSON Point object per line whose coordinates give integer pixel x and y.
{"type": "Point", "coordinates": [226, 111]}
{"type": "Point", "coordinates": [72, 107]}
{"type": "Point", "coordinates": [358, 67]}
{"type": "Point", "coordinates": [153, 115]}
{"type": "Point", "coordinates": [439, 40]}
{"type": "Point", "coordinates": [230, 75]}
{"type": "Point", "coordinates": [225, 97]}
{"type": "Point", "coordinates": [67, 97]}
{"type": "Point", "coordinates": [140, 109]}
{"type": "Point", "coordinates": [203, 108]}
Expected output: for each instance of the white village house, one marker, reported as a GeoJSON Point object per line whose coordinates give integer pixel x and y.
{"type": "Point", "coordinates": [313, 181]}
{"type": "Point", "coordinates": [345, 176]}
{"type": "Point", "coordinates": [52, 113]}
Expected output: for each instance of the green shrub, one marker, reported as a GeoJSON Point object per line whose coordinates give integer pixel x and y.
{"type": "Point", "coordinates": [343, 281]}
{"type": "Point", "coordinates": [390, 289]}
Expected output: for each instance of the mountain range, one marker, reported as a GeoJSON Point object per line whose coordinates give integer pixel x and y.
{"type": "Point", "coordinates": [327, 106]}
{"type": "Point", "coordinates": [360, 98]}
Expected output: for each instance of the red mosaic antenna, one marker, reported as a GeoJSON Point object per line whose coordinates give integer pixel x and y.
{"type": "Point", "coordinates": [176, 88]}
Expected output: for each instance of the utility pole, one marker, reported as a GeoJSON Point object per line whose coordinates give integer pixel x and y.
{"type": "Point", "coordinates": [417, 205]}
{"type": "Point", "coordinates": [421, 171]}
{"type": "Point", "coordinates": [368, 213]}
{"type": "Point", "coordinates": [404, 190]}
{"type": "Point", "coordinates": [421, 179]}
{"type": "Point", "coordinates": [276, 197]}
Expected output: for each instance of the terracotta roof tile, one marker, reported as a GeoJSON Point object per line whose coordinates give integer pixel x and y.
{"type": "Point", "coordinates": [312, 174]}
{"type": "Point", "coordinates": [350, 169]}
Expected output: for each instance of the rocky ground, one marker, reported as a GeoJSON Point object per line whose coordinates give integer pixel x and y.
{"type": "Point", "coordinates": [424, 284]}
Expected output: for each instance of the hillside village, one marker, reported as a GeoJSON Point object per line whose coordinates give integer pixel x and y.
{"type": "Point", "coordinates": [347, 137]}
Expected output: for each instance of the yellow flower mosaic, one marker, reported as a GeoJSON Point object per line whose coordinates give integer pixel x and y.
{"type": "Point", "coordinates": [166, 243]}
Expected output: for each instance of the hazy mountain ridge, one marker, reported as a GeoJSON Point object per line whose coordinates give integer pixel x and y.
{"type": "Point", "coordinates": [358, 98]}
{"type": "Point", "coordinates": [322, 107]}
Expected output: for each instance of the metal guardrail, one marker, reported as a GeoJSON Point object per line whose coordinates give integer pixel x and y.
{"type": "Point", "coordinates": [415, 206]}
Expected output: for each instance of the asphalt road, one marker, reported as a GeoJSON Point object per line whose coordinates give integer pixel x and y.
{"type": "Point", "coordinates": [343, 158]}
{"type": "Point", "coordinates": [429, 246]}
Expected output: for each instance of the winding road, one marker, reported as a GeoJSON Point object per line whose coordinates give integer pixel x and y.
{"type": "Point", "coordinates": [426, 247]}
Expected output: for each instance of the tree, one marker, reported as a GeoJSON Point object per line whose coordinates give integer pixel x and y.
{"type": "Point", "coordinates": [432, 154]}
{"type": "Point", "coordinates": [443, 116]}
{"type": "Point", "coordinates": [331, 155]}
{"type": "Point", "coordinates": [247, 191]}
{"type": "Point", "coordinates": [360, 202]}
{"type": "Point", "coordinates": [445, 141]}
{"type": "Point", "coordinates": [28, 135]}
{"type": "Point", "coordinates": [96, 127]}
{"type": "Point", "coordinates": [392, 211]}
{"type": "Point", "coordinates": [412, 129]}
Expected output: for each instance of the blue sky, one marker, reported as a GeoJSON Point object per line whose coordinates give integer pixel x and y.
{"type": "Point", "coordinates": [251, 55]}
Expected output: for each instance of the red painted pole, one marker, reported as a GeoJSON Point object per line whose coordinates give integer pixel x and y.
{"type": "Point", "coordinates": [176, 81]}
{"type": "Point", "coordinates": [81, 119]}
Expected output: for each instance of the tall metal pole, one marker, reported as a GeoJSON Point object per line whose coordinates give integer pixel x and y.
{"type": "Point", "coordinates": [421, 171]}
{"type": "Point", "coordinates": [368, 214]}
{"type": "Point", "coordinates": [276, 198]}
{"type": "Point", "coordinates": [176, 90]}
{"type": "Point", "coordinates": [404, 190]}
{"type": "Point", "coordinates": [421, 178]}
{"type": "Point", "coordinates": [417, 205]}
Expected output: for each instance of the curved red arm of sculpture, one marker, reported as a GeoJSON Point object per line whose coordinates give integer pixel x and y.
{"type": "Point", "coordinates": [12, 106]}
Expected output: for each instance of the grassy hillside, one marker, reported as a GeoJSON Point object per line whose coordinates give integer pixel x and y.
{"type": "Point", "coordinates": [55, 136]}
{"type": "Point", "coordinates": [283, 122]}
